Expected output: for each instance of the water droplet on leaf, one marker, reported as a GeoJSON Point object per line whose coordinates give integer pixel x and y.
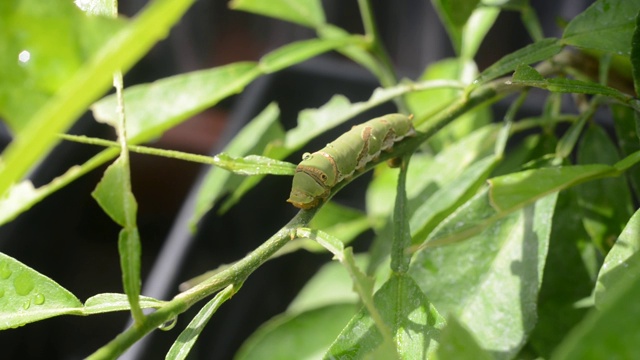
{"type": "Point", "coordinates": [24, 56]}
{"type": "Point", "coordinates": [23, 284]}
{"type": "Point", "coordinates": [26, 304]}
{"type": "Point", "coordinates": [5, 272]}
{"type": "Point", "coordinates": [168, 325]}
{"type": "Point", "coordinates": [38, 299]}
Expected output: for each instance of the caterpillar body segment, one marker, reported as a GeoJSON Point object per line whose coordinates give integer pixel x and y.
{"type": "Point", "coordinates": [320, 171]}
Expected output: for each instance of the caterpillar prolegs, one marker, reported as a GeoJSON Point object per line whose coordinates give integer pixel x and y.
{"type": "Point", "coordinates": [320, 171]}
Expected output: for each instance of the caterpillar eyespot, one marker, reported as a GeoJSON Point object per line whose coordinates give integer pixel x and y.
{"type": "Point", "coordinates": [320, 171]}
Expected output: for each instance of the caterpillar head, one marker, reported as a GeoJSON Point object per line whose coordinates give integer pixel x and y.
{"type": "Point", "coordinates": [306, 191]}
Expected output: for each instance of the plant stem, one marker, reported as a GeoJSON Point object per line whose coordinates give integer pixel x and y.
{"type": "Point", "coordinates": [236, 274]}
{"type": "Point", "coordinates": [387, 74]}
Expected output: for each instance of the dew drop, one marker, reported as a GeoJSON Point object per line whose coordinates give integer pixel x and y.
{"type": "Point", "coordinates": [38, 299]}
{"type": "Point", "coordinates": [168, 325]}
{"type": "Point", "coordinates": [5, 272]}
{"type": "Point", "coordinates": [23, 283]}
{"type": "Point", "coordinates": [24, 56]}
{"type": "Point", "coordinates": [26, 304]}
{"type": "Point", "coordinates": [1, 293]}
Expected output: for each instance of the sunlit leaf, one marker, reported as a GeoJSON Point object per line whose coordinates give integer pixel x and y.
{"type": "Point", "coordinates": [183, 344]}
{"type": "Point", "coordinates": [424, 103]}
{"type": "Point", "coordinates": [153, 108]}
{"type": "Point", "coordinates": [304, 12]}
{"type": "Point", "coordinates": [448, 198]}
{"type": "Point", "coordinates": [304, 335]}
{"type": "Point", "coordinates": [299, 51]}
{"type": "Point", "coordinates": [27, 296]}
{"type": "Point", "coordinates": [43, 46]}
{"type": "Point", "coordinates": [413, 320]}
{"type": "Point", "coordinates": [616, 267]}
{"type": "Point", "coordinates": [91, 80]}
{"type": "Point", "coordinates": [606, 25]}
{"type": "Point", "coordinates": [529, 54]}
{"type": "Point", "coordinates": [331, 284]}
{"type": "Point", "coordinates": [110, 195]}
{"type": "Point", "coordinates": [109, 302]}
{"type": "Point", "coordinates": [482, 281]}
{"type": "Point", "coordinates": [514, 190]}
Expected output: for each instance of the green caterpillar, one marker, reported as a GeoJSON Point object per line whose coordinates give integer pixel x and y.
{"type": "Point", "coordinates": [319, 172]}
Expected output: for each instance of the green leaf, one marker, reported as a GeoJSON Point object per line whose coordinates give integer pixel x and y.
{"type": "Point", "coordinates": [114, 195]}
{"type": "Point", "coordinates": [183, 344]}
{"type": "Point", "coordinates": [253, 138]}
{"type": "Point", "coordinates": [356, 53]}
{"type": "Point", "coordinates": [610, 330]}
{"type": "Point", "coordinates": [299, 51]}
{"type": "Point", "coordinates": [130, 252]}
{"type": "Point", "coordinates": [53, 41]}
{"type": "Point", "coordinates": [569, 139]}
{"type": "Point", "coordinates": [254, 165]}
{"type": "Point", "coordinates": [20, 197]}
{"type": "Point", "coordinates": [605, 203]}
{"type": "Point", "coordinates": [400, 259]}
{"type": "Point", "coordinates": [532, 53]}
{"type": "Point", "coordinates": [515, 190]}
{"type": "Point", "coordinates": [491, 282]}
{"type": "Point", "coordinates": [616, 268]}
{"type": "Point", "coordinates": [508, 193]}
{"type": "Point", "coordinates": [426, 102]}
{"type": "Point", "coordinates": [313, 122]}
{"type": "Point", "coordinates": [565, 85]}
{"type": "Point", "coordinates": [362, 284]}
{"type": "Point", "coordinates": [457, 12]}
{"type": "Point", "coordinates": [476, 29]}
{"type": "Point", "coordinates": [109, 302]}
{"type": "Point", "coordinates": [91, 80]}
{"type": "Point", "coordinates": [27, 296]}
{"type": "Point", "coordinates": [110, 195]}
{"type": "Point", "coordinates": [454, 15]}
{"type": "Point", "coordinates": [527, 76]}
{"type": "Point", "coordinates": [606, 25]}
{"type": "Point", "coordinates": [566, 277]}
{"type": "Point", "coordinates": [525, 73]}
{"type": "Point", "coordinates": [413, 320]}
{"type": "Point", "coordinates": [330, 285]}
{"type": "Point", "coordinates": [153, 108]}
{"type": "Point", "coordinates": [297, 336]}
{"type": "Point", "coordinates": [456, 342]}
{"type": "Point", "coordinates": [304, 12]}
{"type": "Point", "coordinates": [425, 177]}
{"type": "Point", "coordinates": [449, 197]}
